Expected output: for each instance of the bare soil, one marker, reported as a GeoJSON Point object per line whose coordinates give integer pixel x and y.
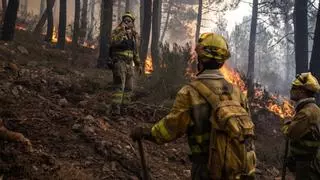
{"type": "Point", "coordinates": [66, 113]}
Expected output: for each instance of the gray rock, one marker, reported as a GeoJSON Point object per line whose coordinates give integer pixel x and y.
{"type": "Point", "coordinates": [63, 102]}
{"type": "Point", "coordinates": [187, 173]}
{"type": "Point", "coordinates": [23, 50]}
{"type": "Point", "coordinates": [89, 118]}
{"type": "Point", "coordinates": [76, 127]}
{"type": "Point", "coordinates": [83, 103]}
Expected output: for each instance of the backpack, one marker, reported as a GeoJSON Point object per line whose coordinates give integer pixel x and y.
{"type": "Point", "coordinates": [231, 150]}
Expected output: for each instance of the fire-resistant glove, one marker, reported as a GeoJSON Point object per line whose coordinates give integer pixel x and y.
{"type": "Point", "coordinates": [139, 133]}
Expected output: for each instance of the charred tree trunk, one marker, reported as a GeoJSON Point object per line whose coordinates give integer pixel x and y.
{"type": "Point", "coordinates": [42, 7]}
{"type": "Point", "coordinates": [128, 4]}
{"type": "Point", "coordinates": [105, 32]}
{"type": "Point", "coordinates": [252, 47]}
{"type": "Point", "coordinates": [76, 30]}
{"type": "Point", "coordinates": [155, 35]}
{"type": "Point", "coordinates": [315, 56]}
{"type": "Point", "coordinates": [62, 24]}
{"type": "Point", "coordinates": [49, 34]}
{"type": "Point", "coordinates": [91, 26]}
{"type": "Point", "coordinates": [84, 22]}
{"type": "Point", "coordinates": [167, 20]}
{"type": "Point", "coordinates": [25, 10]}
{"type": "Point", "coordinates": [4, 5]}
{"type": "Point", "coordinates": [141, 14]}
{"type": "Point", "coordinates": [301, 35]}
{"type": "Point", "coordinates": [145, 35]}
{"type": "Point", "coordinates": [119, 10]}
{"type": "Point", "coordinates": [43, 18]}
{"type": "Point", "coordinates": [199, 19]}
{"type": "Point", "coordinates": [287, 31]}
{"type": "Point", "coordinates": [10, 20]}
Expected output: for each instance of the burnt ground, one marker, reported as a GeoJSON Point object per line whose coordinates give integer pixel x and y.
{"type": "Point", "coordinates": [65, 111]}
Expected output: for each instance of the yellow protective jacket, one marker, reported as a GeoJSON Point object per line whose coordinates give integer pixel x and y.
{"type": "Point", "coordinates": [125, 44]}
{"type": "Point", "coordinates": [190, 115]}
{"type": "Point", "coordinates": [304, 130]}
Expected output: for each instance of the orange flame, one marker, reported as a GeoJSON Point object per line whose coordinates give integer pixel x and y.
{"type": "Point", "coordinates": [261, 98]}
{"type": "Point", "coordinates": [283, 110]}
{"type": "Point", "coordinates": [19, 27]}
{"type": "Point", "coordinates": [233, 77]}
{"type": "Point", "coordinates": [54, 37]}
{"type": "Point", "coordinates": [148, 68]}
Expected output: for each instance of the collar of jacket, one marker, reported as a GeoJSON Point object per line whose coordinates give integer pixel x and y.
{"type": "Point", "coordinates": [302, 102]}
{"type": "Point", "coordinates": [210, 74]}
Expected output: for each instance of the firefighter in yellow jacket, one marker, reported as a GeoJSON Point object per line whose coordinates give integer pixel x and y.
{"type": "Point", "coordinates": [124, 53]}
{"type": "Point", "coordinates": [190, 113]}
{"type": "Point", "coordinates": [304, 129]}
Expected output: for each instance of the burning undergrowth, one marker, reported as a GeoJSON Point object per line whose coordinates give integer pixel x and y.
{"type": "Point", "coordinates": [180, 60]}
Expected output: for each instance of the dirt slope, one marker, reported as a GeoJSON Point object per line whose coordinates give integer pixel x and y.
{"type": "Point", "coordinates": [66, 113]}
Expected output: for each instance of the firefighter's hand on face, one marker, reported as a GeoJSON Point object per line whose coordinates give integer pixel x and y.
{"type": "Point", "coordinates": [139, 133]}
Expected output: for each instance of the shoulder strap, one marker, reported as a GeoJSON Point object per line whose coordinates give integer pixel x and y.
{"type": "Point", "coordinates": [204, 91]}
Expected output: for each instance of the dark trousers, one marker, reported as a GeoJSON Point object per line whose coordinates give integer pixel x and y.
{"type": "Point", "coordinates": [200, 172]}
{"type": "Point", "coordinates": [306, 170]}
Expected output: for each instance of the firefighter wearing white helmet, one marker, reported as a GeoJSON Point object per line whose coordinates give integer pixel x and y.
{"type": "Point", "coordinates": [191, 114]}
{"type": "Point", "coordinates": [303, 131]}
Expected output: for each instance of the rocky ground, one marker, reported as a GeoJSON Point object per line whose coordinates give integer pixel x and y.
{"type": "Point", "coordinates": [65, 111]}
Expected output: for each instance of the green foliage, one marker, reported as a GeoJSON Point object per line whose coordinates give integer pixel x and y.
{"type": "Point", "coordinates": [171, 76]}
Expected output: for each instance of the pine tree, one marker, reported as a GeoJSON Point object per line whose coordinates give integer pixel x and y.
{"type": "Point", "coordinates": [10, 20]}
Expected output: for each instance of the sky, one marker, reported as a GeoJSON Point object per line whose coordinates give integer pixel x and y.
{"type": "Point", "coordinates": [235, 17]}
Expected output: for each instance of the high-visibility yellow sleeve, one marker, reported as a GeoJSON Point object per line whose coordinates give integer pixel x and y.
{"type": "Point", "coordinates": [175, 124]}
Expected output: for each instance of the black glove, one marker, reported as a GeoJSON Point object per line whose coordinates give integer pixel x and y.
{"type": "Point", "coordinates": [139, 133]}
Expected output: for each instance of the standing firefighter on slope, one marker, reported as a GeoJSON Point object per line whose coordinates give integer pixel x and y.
{"type": "Point", "coordinates": [214, 115]}
{"type": "Point", "coordinates": [304, 130]}
{"type": "Point", "coordinates": [124, 52]}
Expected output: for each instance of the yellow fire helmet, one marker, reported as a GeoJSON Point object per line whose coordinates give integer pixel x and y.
{"type": "Point", "coordinates": [128, 14]}
{"type": "Point", "coordinates": [212, 46]}
{"type": "Point", "coordinates": [307, 81]}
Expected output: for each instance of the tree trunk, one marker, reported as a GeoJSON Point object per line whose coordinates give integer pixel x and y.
{"type": "Point", "coordinates": [141, 14]}
{"type": "Point", "coordinates": [42, 7]}
{"type": "Point", "coordinates": [4, 5]}
{"type": "Point", "coordinates": [155, 35]}
{"type": "Point", "coordinates": [252, 46]}
{"type": "Point", "coordinates": [76, 30]}
{"type": "Point", "coordinates": [48, 37]}
{"type": "Point", "coordinates": [91, 26]}
{"type": "Point", "coordinates": [119, 11]}
{"type": "Point", "coordinates": [43, 18]}
{"type": "Point", "coordinates": [105, 32]}
{"type": "Point", "coordinates": [62, 24]}
{"type": "Point", "coordinates": [287, 31]}
{"type": "Point", "coordinates": [145, 35]}
{"type": "Point", "coordinates": [25, 10]}
{"type": "Point", "coordinates": [10, 20]}
{"type": "Point", "coordinates": [199, 19]}
{"type": "Point", "coordinates": [128, 4]}
{"type": "Point", "coordinates": [84, 22]}
{"type": "Point", "coordinates": [167, 20]}
{"type": "Point", "coordinates": [315, 56]}
{"type": "Point", "coordinates": [301, 35]}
